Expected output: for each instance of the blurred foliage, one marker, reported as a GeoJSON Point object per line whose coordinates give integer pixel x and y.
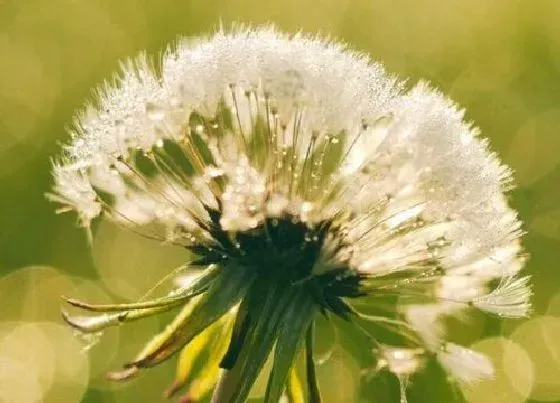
{"type": "Point", "coordinates": [500, 59]}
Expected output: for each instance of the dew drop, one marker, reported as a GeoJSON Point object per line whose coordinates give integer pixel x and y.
{"type": "Point", "coordinates": [214, 172]}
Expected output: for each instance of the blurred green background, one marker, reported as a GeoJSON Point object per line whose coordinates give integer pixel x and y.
{"type": "Point", "coordinates": [500, 59]}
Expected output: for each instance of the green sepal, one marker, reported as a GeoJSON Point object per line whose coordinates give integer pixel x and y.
{"type": "Point", "coordinates": [224, 293]}
{"type": "Point", "coordinates": [116, 314]}
{"type": "Point", "coordinates": [206, 380]}
{"type": "Point", "coordinates": [176, 297]}
{"type": "Point", "coordinates": [271, 315]}
{"type": "Point", "coordinates": [214, 339]}
{"type": "Point", "coordinates": [238, 335]}
{"type": "Point", "coordinates": [294, 388]}
{"type": "Point", "coordinates": [268, 302]}
{"type": "Point", "coordinates": [187, 360]}
{"type": "Point", "coordinates": [313, 391]}
{"type": "Point", "coordinates": [94, 324]}
{"type": "Point", "coordinates": [291, 334]}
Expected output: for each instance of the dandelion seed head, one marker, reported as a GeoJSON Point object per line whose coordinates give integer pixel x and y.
{"type": "Point", "coordinates": [296, 159]}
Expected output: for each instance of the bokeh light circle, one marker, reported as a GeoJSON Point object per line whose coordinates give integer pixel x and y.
{"type": "Point", "coordinates": [513, 373]}
{"type": "Point", "coordinates": [533, 148]}
{"type": "Point", "coordinates": [539, 338]}
{"type": "Point", "coordinates": [129, 264]}
{"type": "Point", "coordinates": [17, 383]}
{"type": "Point", "coordinates": [42, 362]}
{"type": "Point", "coordinates": [25, 296]}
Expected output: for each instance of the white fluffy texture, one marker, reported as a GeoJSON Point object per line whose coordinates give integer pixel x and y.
{"type": "Point", "coordinates": [460, 288]}
{"type": "Point", "coordinates": [401, 361]}
{"type": "Point", "coordinates": [425, 319]}
{"type": "Point", "coordinates": [509, 299]}
{"type": "Point", "coordinates": [465, 364]}
{"type": "Point", "coordinates": [415, 188]}
{"type": "Point", "coordinates": [243, 199]}
{"type": "Point", "coordinates": [73, 190]}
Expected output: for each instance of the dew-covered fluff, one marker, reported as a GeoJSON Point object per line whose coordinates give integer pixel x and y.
{"type": "Point", "coordinates": [252, 137]}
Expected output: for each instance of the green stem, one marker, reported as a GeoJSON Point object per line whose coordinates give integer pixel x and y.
{"type": "Point", "coordinates": [312, 386]}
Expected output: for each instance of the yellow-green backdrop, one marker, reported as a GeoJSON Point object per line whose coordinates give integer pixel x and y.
{"type": "Point", "coordinates": [500, 59]}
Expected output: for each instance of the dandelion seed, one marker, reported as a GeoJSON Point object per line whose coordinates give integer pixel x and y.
{"type": "Point", "coordinates": [302, 178]}
{"type": "Point", "coordinates": [510, 298]}
{"type": "Point", "coordinates": [465, 364]}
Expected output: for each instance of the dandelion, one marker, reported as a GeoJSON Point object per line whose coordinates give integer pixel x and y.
{"type": "Point", "coordinates": [305, 182]}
